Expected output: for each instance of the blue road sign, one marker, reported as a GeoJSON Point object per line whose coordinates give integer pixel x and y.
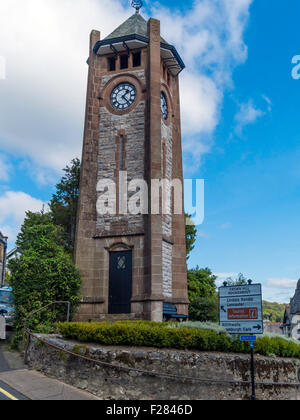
{"type": "Point", "coordinates": [248, 338]}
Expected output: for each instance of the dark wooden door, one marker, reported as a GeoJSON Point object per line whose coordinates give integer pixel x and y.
{"type": "Point", "coordinates": [120, 282]}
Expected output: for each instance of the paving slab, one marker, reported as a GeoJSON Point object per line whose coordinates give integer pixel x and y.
{"type": "Point", "coordinates": [4, 365]}
{"type": "Point", "coordinates": [36, 386]}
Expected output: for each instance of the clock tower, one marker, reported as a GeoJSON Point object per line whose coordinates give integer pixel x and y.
{"type": "Point", "coordinates": [132, 262]}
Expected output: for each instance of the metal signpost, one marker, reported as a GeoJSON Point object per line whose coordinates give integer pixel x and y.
{"type": "Point", "coordinates": [241, 313]}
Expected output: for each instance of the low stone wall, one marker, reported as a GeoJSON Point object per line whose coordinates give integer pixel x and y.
{"type": "Point", "coordinates": [117, 384]}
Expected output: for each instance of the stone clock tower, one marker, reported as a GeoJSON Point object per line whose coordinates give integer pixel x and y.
{"type": "Point", "coordinates": [131, 262]}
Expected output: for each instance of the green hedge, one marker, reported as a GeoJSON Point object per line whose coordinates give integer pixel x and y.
{"type": "Point", "coordinates": [148, 334]}
{"type": "Point", "coordinates": [151, 334]}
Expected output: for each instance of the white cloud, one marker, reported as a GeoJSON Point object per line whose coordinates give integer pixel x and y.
{"type": "Point", "coordinates": [210, 40]}
{"type": "Point", "coordinates": [279, 290]}
{"type": "Point", "coordinates": [45, 45]}
{"type": "Point", "coordinates": [284, 283]}
{"type": "Point", "coordinates": [42, 100]}
{"type": "Point", "coordinates": [13, 206]}
{"type": "Point", "coordinates": [247, 114]}
{"type": "Point", "coordinates": [5, 168]}
{"type": "Point", "coordinates": [225, 276]}
{"type": "Point", "coordinates": [200, 101]}
{"type": "Point", "coordinates": [269, 102]}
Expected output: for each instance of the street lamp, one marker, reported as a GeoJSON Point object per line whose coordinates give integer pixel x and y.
{"type": "Point", "coordinates": [3, 240]}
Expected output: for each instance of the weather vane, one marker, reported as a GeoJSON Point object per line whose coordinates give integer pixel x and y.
{"type": "Point", "coordinates": [137, 4]}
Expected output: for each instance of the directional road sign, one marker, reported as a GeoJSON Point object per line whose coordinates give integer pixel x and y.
{"type": "Point", "coordinates": [241, 309]}
{"type": "Point", "coordinates": [248, 338]}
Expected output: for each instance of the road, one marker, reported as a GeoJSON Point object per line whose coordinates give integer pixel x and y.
{"type": "Point", "coordinates": [16, 382]}
{"type": "Point", "coordinates": [7, 393]}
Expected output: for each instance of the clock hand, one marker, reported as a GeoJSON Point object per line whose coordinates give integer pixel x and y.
{"type": "Point", "coordinates": [124, 96]}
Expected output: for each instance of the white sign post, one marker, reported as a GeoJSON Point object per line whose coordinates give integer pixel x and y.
{"type": "Point", "coordinates": [241, 309]}
{"type": "Point", "coordinates": [241, 313]}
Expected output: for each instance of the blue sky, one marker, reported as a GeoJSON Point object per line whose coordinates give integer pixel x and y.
{"type": "Point", "coordinates": [240, 115]}
{"type": "Point", "coordinates": [252, 178]}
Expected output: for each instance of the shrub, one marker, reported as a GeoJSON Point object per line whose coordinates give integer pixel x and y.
{"type": "Point", "coordinates": [149, 334]}
{"type": "Point", "coordinates": [44, 273]}
{"type": "Point", "coordinates": [211, 326]}
{"type": "Point", "coordinates": [202, 295]}
{"type": "Point", "coordinates": [176, 336]}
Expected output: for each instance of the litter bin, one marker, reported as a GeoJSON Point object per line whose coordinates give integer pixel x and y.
{"type": "Point", "coordinates": [2, 328]}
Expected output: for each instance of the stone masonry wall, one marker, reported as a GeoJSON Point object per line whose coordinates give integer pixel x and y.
{"type": "Point", "coordinates": [117, 384]}
{"type": "Point", "coordinates": [133, 126]}
{"type": "Point", "coordinates": [167, 172]}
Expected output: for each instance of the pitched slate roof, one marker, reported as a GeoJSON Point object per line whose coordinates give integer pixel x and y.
{"type": "Point", "coordinates": [2, 236]}
{"type": "Point", "coordinates": [295, 302]}
{"type": "Point", "coordinates": [133, 33]}
{"type": "Point", "coordinates": [136, 24]}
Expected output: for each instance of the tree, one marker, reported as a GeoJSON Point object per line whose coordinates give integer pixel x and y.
{"type": "Point", "coordinates": [43, 273]}
{"type": "Point", "coordinates": [241, 280]}
{"type": "Point", "coordinates": [190, 234]}
{"type": "Point", "coordinates": [204, 309]}
{"type": "Point", "coordinates": [7, 277]}
{"type": "Point", "coordinates": [202, 291]}
{"type": "Point", "coordinates": [63, 205]}
{"type": "Point", "coordinates": [201, 282]}
{"type": "Point", "coordinates": [28, 233]}
{"type": "Point", "coordinates": [273, 311]}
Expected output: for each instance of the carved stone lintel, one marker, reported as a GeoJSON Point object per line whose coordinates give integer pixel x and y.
{"type": "Point", "coordinates": [120, 246]}
{"type": "Point", "coordinates": [87, 300]}
{"type": "Point", "coordinates": [107, 235]}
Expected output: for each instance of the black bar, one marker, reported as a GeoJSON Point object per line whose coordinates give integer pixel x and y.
{"type": "Point", "coordinates": [253, 396]}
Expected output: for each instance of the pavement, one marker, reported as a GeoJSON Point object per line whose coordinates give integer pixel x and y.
{"type": "Point", "coordinates": [19, 383]}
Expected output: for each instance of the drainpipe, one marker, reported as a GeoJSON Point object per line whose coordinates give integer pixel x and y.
{"type": "Point", "coordinates": [4, 242]}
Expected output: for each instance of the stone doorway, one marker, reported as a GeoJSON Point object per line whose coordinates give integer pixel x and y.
{"type": "Point", "coordinates": [120, 282]}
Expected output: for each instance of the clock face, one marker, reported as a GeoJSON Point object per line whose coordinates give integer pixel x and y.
{"type": "Point", "coordinates": [164, 106]}
{"type": "Point", "coordinates": [123, 96]}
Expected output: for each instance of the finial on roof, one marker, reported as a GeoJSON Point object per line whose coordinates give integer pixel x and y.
{"type": "Point", "coordinates": [137, 5]}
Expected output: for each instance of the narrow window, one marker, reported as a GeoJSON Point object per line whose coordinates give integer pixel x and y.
{"type": "Point", "coordinates": [124, 62]}
{"type": "Point", "coordinates": [111, 64]}
{"type": "Point", "coordinates": [122, 153]}
{"type": "Point", "coordinates": [165, 73]}
{"type": "Point", "coordinates": [136, 59]}
{"type": "Point", "coordinates": [164, 153]}
{"type": "Point", "coordinates": [121, 169]}
{"type": "Point", "coordinates": [169, 79]}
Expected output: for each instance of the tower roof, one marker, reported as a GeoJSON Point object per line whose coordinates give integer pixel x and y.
{"type": "Point", "coordinates": [136, 24]}
{"type": "Point", "coordinates": [133, 34]}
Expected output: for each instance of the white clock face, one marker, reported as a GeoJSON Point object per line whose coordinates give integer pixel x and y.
{"type": "Point", "coordinates": [123, 96]}
{"type": "Point", "coordinates": [164, 106]}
